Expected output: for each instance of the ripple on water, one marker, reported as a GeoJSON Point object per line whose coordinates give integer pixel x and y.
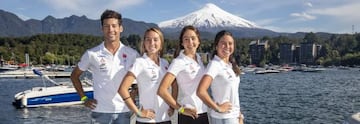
{"type": "Point", "coordinates": [296, 97]}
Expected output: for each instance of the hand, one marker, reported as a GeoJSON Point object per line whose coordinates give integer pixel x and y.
{"type": "Point", "coordinates": [224, 107]}
{"type": "Point", "coordinates": [170, 111]}
{"type": "Point", "coordinates": [147, 113]}
{"type": "Point", "coordinates": [241, 121]}
{"type": "Point", "coordinates": [190, 112]}
{"type": "Point", "coordinates": [90, 103]}
{"type": "Point", "coordinates": [241, 118]}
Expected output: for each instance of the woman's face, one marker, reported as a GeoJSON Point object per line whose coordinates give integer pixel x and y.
{"type": "Point", "coordinates": [152, 42]}
{"type": "Point", "coordinates": [225, 47]}
{"type": "Point", "coordinates": [190, 41]}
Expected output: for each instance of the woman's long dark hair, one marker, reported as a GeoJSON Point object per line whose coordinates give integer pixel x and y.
{"type": "Point", "coordinates": [180, 47]}
{"type": "Point", "coordinates": [218, 36]}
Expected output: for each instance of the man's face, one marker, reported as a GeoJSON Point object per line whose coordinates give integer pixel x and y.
{"type": "Point", "coordinates": [111, 29]}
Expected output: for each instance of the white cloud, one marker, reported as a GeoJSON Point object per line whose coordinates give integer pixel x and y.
{"type": "Point", "coordinates": [345, 13]}
{"type": "Point", "coordinates": [21, 8]}
{"type": "Point", "coordinates": [265, 22]}
{"type": "Point", "coordinates": [66, 4]}
{"type": "Point", "coordinates": [308, 4]}
{"type": "Point", "coordinates": [23, 17]}
{"type": "Point", "coordinates": [259, 6]}
{"type": "Point", "coordinates": [120, 4]}
{"type": "Point", "coordinates": [20, 15]}
{"type": "Point", "coordinates": [303, 16]}
{"type": "Point", "coordinates": [90, 8]}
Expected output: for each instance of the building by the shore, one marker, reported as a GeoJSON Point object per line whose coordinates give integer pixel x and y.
{"type": "Point", "coordinates": [257, 51]}
{"type": "Point", "coordinates": [305, 53]}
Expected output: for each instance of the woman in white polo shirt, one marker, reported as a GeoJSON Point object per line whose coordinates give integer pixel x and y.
{"type": "Point", "coordinates": [148, 71]}
{"type": "Point", "coordinates": [185, 72]}
{"type": "Point", "coordinates": [222, 75]}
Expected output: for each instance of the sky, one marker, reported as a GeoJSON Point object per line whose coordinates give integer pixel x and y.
{"type": "Point", "coordinates": [333, 16]}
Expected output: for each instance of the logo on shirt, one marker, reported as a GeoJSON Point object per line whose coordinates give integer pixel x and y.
{"type": "Point", "coordinates": [192, 69]}
{"type": "Point", "coordinates": [154, 75]}
{"type": "Point", "coordinates": [228, 73]}
{"type": "Point", "coordinates": [102, 64]}
{"type": "Point", "coordinates": [124, 57]}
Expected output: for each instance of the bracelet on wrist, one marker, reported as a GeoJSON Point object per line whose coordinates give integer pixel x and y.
{"type": "Point", "coordinates": [181, 110]}
{"type": "Point", "coordinates": [124, 99]}
{"type": "Point", "coordinates": [138, 113]}
{"type": "Point", "coordinates": [84, 98]}
{"type": "Point", "coordinates": [217, 109]}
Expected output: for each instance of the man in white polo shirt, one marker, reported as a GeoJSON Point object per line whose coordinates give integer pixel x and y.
{"type": "Point", "coordinates": [108, 63]}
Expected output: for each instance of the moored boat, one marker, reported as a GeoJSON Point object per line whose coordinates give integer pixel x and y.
{"type": "Point", "coordinates": [60, 94]}
{"type": "Point", "coordinates": [49, 96]}
{"type": "Point", "coordinates": [267, 71]}
{"type": "Point", "coordinates": [8, 67]}
{"type": "Point", "coordinates": [353, 119]}
{"type": "Point", "coordinates": [312, 69]}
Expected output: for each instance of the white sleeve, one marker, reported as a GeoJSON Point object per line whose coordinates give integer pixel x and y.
{"type": "Point", "coordinates": [84, 63]}
{"type": "Point", "coordinates": [137, 67]}
{"type": "Point", "coordinates": [212, 69]}
{"type": "Point", "coordinates": [176, 67]}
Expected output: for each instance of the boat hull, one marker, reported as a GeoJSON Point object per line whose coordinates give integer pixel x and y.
{"type": "Point", "coordinates": [50, 96]}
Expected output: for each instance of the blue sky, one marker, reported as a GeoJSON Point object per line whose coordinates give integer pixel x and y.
{"type": "Point", "coordinates": [334, 16]}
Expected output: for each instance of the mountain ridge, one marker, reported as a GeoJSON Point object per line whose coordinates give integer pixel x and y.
{"type": "Point", "coordinates": [12, 26]}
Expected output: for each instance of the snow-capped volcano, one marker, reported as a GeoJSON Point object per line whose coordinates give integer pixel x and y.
{"type": "Point", "coordinates": [210, 16]}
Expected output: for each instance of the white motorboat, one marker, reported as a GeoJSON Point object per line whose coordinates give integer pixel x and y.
{"type": "Point", "coordinates": [8, 67]}
{"type": "Point", "coordinates": [266, 71]}
{"type": "Point", "coordinates": [60, 94]}
{"type": "Point", "coordinates": [353, 119]}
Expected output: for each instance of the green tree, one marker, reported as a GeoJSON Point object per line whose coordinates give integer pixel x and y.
{"type": "Point", "coordinates": [311, 37]}
{"type": "Point", "coordinates": [49, 57]}
{"type": "Point", "coordinates": [134, 41]}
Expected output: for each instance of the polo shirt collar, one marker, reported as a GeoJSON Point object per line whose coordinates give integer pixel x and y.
{"type": "Point", "coordinates": [104, 48]}
{"type": "Point", "coordinates": [217, 58]}
{"type": "Point", "coordinates": [198, 59]}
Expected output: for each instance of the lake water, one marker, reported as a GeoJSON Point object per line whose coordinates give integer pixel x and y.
{"type": "Point", "coordinates": [326, 97]}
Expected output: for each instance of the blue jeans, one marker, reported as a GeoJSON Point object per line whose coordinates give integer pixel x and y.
{"type": "Point", "coordinates": [224, 121]}
{"type": "Point", "coordinates": [110, 118]}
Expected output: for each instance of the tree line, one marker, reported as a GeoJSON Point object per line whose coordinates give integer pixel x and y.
{"type": "Point", "coordinates": [338, 49]}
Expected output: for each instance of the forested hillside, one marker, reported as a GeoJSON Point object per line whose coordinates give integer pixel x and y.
{"type": "Point", "coordinates": [339, 49]}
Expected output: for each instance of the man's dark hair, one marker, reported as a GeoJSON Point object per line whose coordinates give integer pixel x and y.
{"type": "Point", "coordinates": [110, 14]}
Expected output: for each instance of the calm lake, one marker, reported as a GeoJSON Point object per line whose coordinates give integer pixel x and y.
{"type": "Point", "coordinates": [326, 97]}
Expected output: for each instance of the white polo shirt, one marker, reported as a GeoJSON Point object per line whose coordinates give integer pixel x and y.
{"type": "Point", "coordinates": [148, 76]}
{"type": "Point", "coordinates": [188, 74]}
{"type": "Point", "coordinates": [224, 87]}
{"type": "Point", "coordinates": [108, 71]}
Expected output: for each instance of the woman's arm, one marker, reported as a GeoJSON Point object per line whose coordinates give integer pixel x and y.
{"type": "Point", "coordinates": [174, 90]}
{"type": "Point", "coordinates": [163, 92]}
{"type": "Point", "coordinates": [124, 93]}
{"type": "Point", "coordinates": [174, 94]}
{"type": "Point", "coordinates": [203, 94]}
